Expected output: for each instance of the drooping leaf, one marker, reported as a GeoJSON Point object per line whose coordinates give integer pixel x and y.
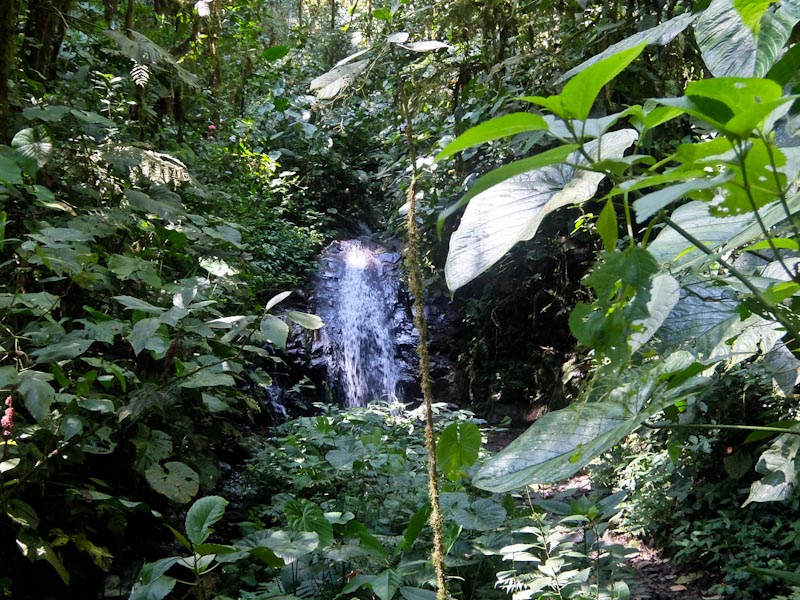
{"type": "Point", "coordinates": [202, 515]}
{"type": "Point", "coordinates": [458, 448]}
{"type": "Point", "coordinates": [562, 442]}
{"type": "Point", "coordinates": [176, 480]}
{"type": "Point", "coordinates": [664, 295]}
{"type": "Point", "coordinates": [496, 219]}
{"type": "Point", "coordinates": [37, 394]}
{"type": "Point", "coordinates": [142, 50]}
{"type": "Point", "coordinates": [330, 84]}
{"type": "Point", "coordinates": [661, 34]}
{"type": "Point", "coordinates": [275, 331]}
{"type": "Point", "coordinates": [778, 464]}
{"type": "Point", "coordinates": [492, 178]}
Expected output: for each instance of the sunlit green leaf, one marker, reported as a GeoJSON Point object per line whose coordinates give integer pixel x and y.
{"type": "Point", "coordinates": [202, 515]}
{"type": "Point", "coordinates": [494, 129]}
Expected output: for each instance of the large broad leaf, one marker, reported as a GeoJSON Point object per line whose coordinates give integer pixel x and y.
{"type": "Point", "coordinates": [484, 514]}
{"type": "Point", "coordinates": [562, 442]}
{"type": "Point", "coordinates": [291, 545]}
{"type": "Point", "coordinates": [731, 46]}
{"type": "Point", "coordinates": [708, 323]}
{"type": "Point", "coordinates": [34, 144]}
{"type": "Point", "coordinates": [37, 394]}
{"type": "Point", "coordinates": [719, 234]}
{"type": "Point", "coordinates": [779, 466]}
{"type": "Point", "coordinates": [510, 212]}
{"type": "Point", "coordinates": [304, 515]}
{"type": "Point", "coordinates": [176, 480]}
{"type": "Point", "coordinates": [152, 584]}
{"type": "Point", "coordinates": [61, 351]}
{"type": "Point", "coordinates": [665, 292]}
{"type": "Point", "coordinates": [330, 84]}
{"type": "Point", "coordinates": [202, 515]}
{"type": "Point", "coordinates": [661, 34]}
{"type": "Point", "coordinates": [458, 448]}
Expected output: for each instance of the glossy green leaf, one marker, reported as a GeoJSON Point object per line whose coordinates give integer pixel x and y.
{"type": "Point", "coordinates": [176, 480]}
{"type": "Point", "coordinates": [458, 448]}
{"type": "Point", "coordinates": [10, 173]}
{"type": "Point", "coordinates": [511, 211]}
{"type": "Point", "coordinates": [606, 226]}
{"type": "Point", "coordinates": [577, 98]}
{"type": "Point", "coordinates": [331, 84]}
{"type": "Point", "coordinates": [494, 129]}
{"type": "Point", "coordinates": [202, 515]}
{"type": "Point", "coordinates": [415, 526]}
{"type": "Point", "coordinates": [151, 583]}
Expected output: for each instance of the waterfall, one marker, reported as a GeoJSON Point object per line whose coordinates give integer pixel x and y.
{"type": "Point", "coordinates": [365, 323]}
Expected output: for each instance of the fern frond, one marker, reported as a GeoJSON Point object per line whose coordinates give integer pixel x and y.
{"type": "Point", "coordinates": [140, 74]}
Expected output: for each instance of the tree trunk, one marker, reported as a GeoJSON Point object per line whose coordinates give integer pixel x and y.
{"type": "Point", "coordinates": [9, 13]}
{"type": "Point", "coordinates": [44, 32]}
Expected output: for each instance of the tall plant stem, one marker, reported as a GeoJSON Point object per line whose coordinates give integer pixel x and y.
{"type": "Point", "coordinates": [417, 288]}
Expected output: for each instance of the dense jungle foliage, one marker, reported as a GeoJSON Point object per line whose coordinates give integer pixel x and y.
{"type": "Point", "coordinates": [606, 194]}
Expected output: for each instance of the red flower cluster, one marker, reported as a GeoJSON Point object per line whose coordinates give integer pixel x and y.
{"type": "Point", "coordinates": [7, 422]}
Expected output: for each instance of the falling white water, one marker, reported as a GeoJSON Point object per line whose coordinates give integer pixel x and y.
{"type": "Point", "coordinates": [365, 351]}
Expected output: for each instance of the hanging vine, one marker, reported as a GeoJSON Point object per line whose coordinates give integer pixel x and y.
{"type": "Point", "coordinates": [416, 286]}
